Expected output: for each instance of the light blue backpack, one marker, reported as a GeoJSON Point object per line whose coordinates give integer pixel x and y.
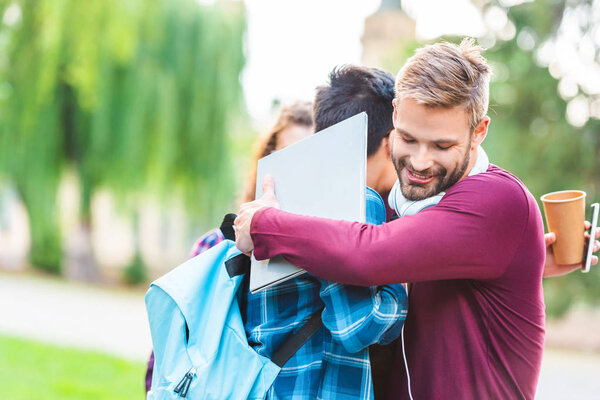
{"type": "Point", "coordinates": [200, 345]}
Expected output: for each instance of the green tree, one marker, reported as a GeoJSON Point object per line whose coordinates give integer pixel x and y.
{"type": "Point", "coordinates": [134, 96]}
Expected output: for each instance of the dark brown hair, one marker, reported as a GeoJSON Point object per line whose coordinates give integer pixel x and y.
{"type": "Point", "coordinates": [298, 113]}
{"type": "Point", "coordinates": [351, 90]}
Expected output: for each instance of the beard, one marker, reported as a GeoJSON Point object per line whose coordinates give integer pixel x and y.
{"type": "Point", "coordinates": [443, 180]}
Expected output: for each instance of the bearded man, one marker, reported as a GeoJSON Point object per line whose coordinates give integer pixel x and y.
{"type": "Point", "coordinates": [470, 240]}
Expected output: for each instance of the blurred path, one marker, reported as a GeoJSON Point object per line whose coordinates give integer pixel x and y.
{"type": "Point", "coordinates": [569, 375]}
{"type": "Point", "coordinates": [114, 321]}
{"type": "Point", "coordinates": [75, 315]}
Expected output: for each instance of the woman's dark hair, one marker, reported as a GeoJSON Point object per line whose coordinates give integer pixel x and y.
{"type": "Point", "coordinates": [296, 114]}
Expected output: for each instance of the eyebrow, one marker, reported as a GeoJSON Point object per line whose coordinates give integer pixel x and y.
{"type": "Point", "coordinates": [440, 141]}
{"type": "Point", "coordinates": [403, 132]}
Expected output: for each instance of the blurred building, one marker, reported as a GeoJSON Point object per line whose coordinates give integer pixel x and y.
{"type": "Point", "coordinates": [387, 32]}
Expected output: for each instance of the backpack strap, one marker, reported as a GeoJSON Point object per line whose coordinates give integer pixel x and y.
{"type": "Point", "coordinates": [293, 343]}
{"type": "Point", "coordinates": [227, 226]}
{"type": "Point", "coordinates": [241, 265]}
{"type": "Point", "coordinates": [238, 265]}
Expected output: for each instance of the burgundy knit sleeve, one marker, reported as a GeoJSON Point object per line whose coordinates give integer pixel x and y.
{"type": "Point", "coordinates": [473, 233]}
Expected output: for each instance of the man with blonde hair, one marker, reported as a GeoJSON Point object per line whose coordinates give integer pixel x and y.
{"type": "Point", "coordinates": [470, 239]}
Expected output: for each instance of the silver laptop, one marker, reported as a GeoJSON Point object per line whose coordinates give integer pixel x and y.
{"type": "Point", "coordinates": [323, 175]}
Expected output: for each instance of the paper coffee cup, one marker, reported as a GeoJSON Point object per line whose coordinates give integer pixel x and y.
{"type": "Point", "coordinates": [565, 215]}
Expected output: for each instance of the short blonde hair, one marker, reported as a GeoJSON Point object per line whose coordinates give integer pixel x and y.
{"type": "Point", "coordinates": [448, 75]}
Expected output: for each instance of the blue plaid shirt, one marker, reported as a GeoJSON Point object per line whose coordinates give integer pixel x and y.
{"type": "Point", "coordinates": [334, 363]}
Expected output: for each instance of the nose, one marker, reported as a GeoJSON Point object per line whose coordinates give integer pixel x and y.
{"type": "Point", "coordinates": [421, 159]}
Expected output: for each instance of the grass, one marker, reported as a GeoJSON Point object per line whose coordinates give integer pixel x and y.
{"type": "Point", "coordinates": [32, 371]}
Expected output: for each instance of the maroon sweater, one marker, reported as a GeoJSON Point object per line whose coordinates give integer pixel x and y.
{"type": "Point", "coordinates": [475, 326]}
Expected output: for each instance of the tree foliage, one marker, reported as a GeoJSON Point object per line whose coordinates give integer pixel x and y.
{"type": "Point", "coordinates": [135, 96]}
{"type": "Point", "coordinates": [530, 134]}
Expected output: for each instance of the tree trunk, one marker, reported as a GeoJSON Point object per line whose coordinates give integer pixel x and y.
{"type": "Point", "coordinates": [79, 262]}
{"type": "Point", "coordinates": [45, 251]}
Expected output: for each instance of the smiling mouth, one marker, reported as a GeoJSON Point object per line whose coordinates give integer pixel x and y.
{"type": "Point", "coordinates": [418, 178]}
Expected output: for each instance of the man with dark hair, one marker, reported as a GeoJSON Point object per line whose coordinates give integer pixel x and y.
{"type": "Point", "coordinates": [335, 362]}
{"type": "Point", "coordinates": [351, 90]}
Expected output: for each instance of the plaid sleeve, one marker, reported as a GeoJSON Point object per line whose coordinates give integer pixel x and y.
{"type": "Point", "coordinates": [206, 241]}
{"type": "Point", "coordinates": [358, 317]}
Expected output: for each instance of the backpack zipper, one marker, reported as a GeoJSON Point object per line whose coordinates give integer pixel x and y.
{"type": "Point", "coordinates": [184, 384]}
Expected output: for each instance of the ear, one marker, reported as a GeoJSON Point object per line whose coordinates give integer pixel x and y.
{"type": "Point", "coordinates": [480, 132]}
{"type": "Point", "coordinates": [385, 143]}
{"type": "Point", "coordinates": [395, 104]}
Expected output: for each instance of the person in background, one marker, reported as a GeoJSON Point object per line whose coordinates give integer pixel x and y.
{"type": "Point", "coordinates": [294, 123]}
